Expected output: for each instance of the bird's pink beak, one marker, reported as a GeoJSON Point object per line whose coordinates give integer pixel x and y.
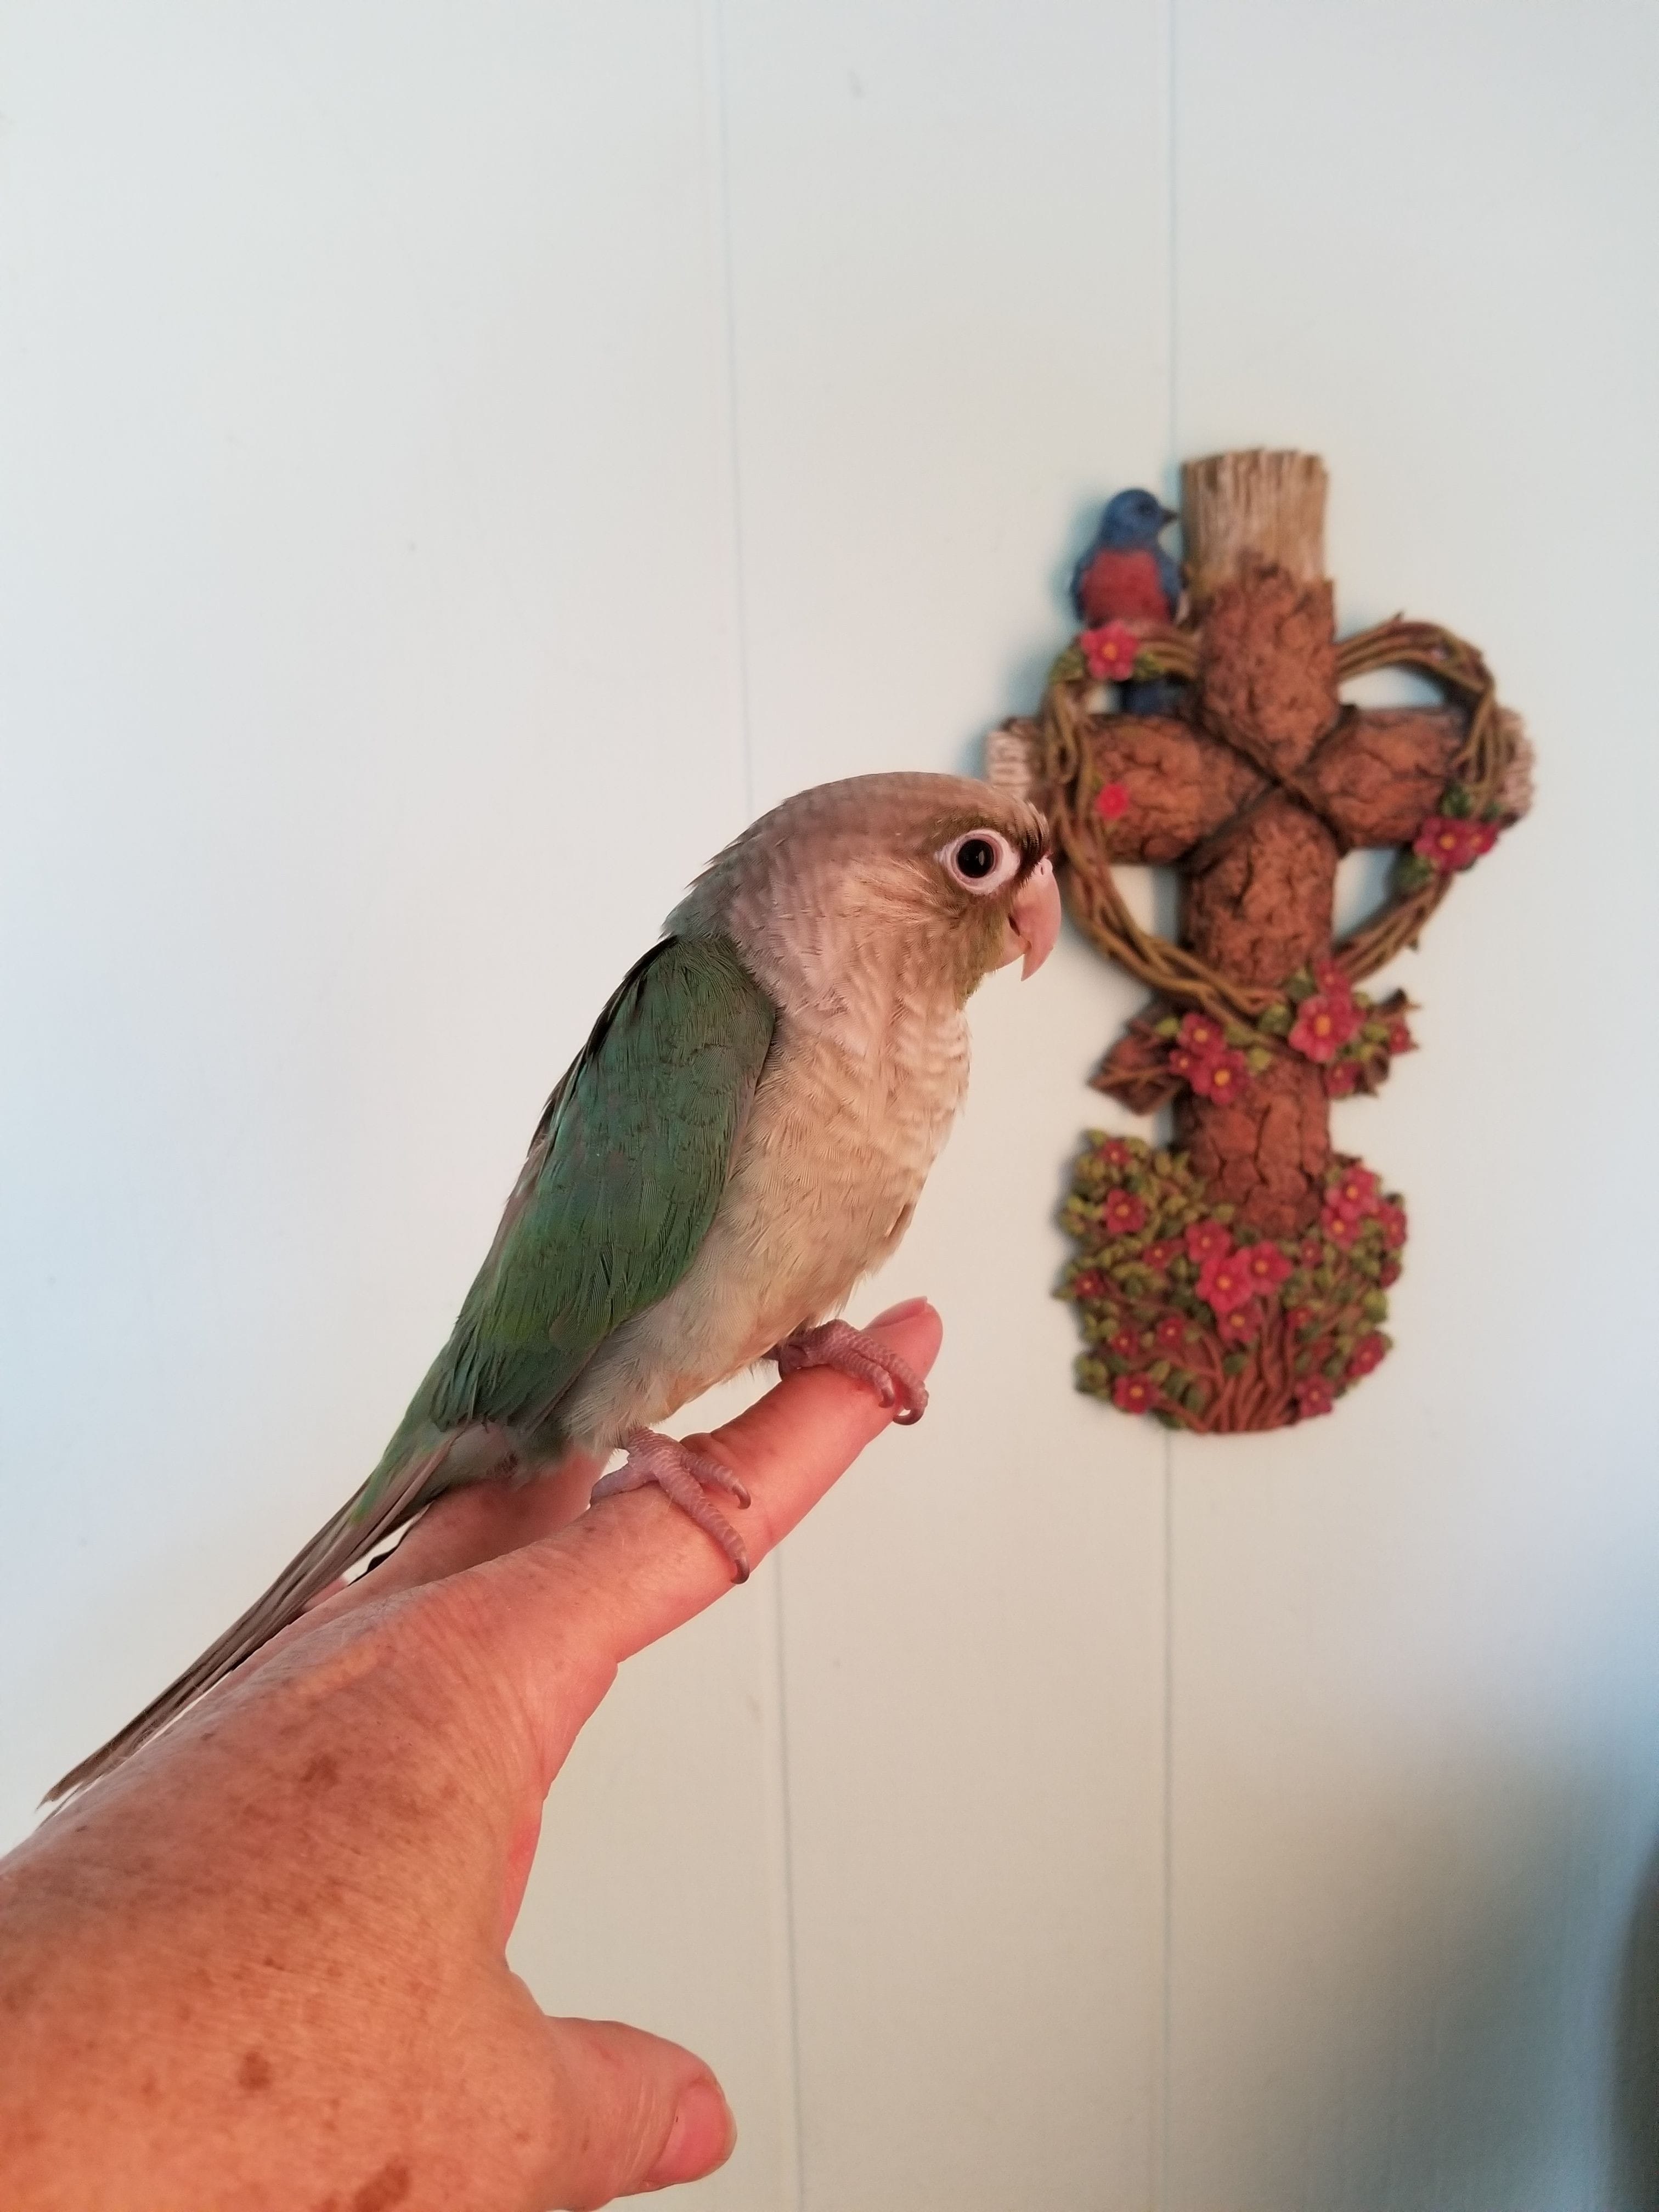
{"type": "Point", "coordinates": [1034, 916]}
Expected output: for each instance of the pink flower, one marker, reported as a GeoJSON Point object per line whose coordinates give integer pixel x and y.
{"type": "Point", "coordinates": [1159, 1256]}
{"type": "Point", "coordinates": [1312, 1252]}
{"type": "Point", "coordinates": [1266, 1265]}
{"type": "Point", "coordinates": [1449, 841]}
{"type": "Point", "coordinates": [1115, 1152]}
{"type": "Point", "coordinates": [1109, 651]}
{"type": "Point", "coordinates": [1222, 1077]}
{"type": "Point", "coordinates": [1208, 1240]}
{"type": "Point", "coordinates": [1201, 1036]}
{"type": "Point", "coordinates": [1354, 1193]}
{"type": "Point", "coordinates": [1111, 801]}
{"type": "Point", "coordinates": [1171, 1334]}
{"type": "Point", "coordinates": [1125, 1213]}
{"type": "Point", "coordinates": [1393, 1218]}
{"type": "Point", "coordinates": [1241, 1324]}
{"type": "Point", "coordinates": [1338, 1227]}
{"type": "Point", "coordinates": [1324, 1024]}
{"type": "Point", "coordinates": [1134, 1393]}
{"type": "Point", "coordinates": [1223, 1281]}
{"type": "Point", "coordinates": [1371, 1351]}
{"type": "Point", "coordinates": [1314, 1396]}
{"type": "Point", "coordinates": [1331, 977]}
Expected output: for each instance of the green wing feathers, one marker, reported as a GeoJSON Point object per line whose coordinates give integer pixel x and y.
{"type": "Point", "coordinates": [620, 1184]}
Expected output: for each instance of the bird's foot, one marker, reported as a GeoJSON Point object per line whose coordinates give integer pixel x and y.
{"type": "Point", "coordinates": [850, 1350]}
{"type": "Point", "coordinates": [685, 1475]}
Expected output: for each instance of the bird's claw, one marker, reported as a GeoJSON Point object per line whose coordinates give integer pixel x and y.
{"type": "Point", "coordinates": [685, 1476]}
{"type": "Point", "coordinates": [851, 1351]}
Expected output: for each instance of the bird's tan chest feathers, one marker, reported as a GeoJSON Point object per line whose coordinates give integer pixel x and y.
{"type": "Point", "coordinates": [846, 1119]}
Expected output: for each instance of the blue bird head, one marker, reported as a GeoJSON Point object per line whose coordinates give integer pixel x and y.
{"type": "Point", "coordinates": [1133, 517]}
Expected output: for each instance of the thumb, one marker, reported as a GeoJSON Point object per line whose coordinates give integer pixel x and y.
{"type": "Point", "coordinates": [628, 2111]}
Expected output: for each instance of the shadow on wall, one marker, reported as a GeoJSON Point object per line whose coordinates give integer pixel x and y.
{"type": "Point", "coordinates": [1401, 2010]}
{"type": "Point", "coordinates": [1636, 2055]}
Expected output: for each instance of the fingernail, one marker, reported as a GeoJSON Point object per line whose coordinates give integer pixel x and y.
{"type": "Point", "coordinates": [899, 1312]}
{"type": "Point", "coordinates": [700, 2140]}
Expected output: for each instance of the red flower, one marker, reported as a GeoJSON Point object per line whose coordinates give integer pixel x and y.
{"type": "Point", "coordinates": [1208, 1240]}
{"type": "Point", "coordinates": [1090, 1283]}
{"type": "Point", "coordinates": [1324, 1024]}
{"type": "Point", "coordinates": [1371, 1351]}
{"type": "Point", "coordinates": [1241, 1324]}
{"type": "Point", "coordinates": [1388, 1272]}
{"type": "Point", "coordinates": [1266, 1265]}
{"type": "Point", "coordinates": [1158, 1255]}
{"type": "Point", "coordinates": [1127, 1344]}
{"type": "Point", "coordinates": [1399, 1036]}
{"type": "Point", "coordinates": [1171, 1334]}
{"type": "Point", "coordinates": [1392, 1215]}
{"type": "Point", "coordinates": [1125, 1213]}
{"type": "Point", "coordinates": [1110, 651]}
{"type": "Point", "coordinates": [1116, 1153]}
{"type": "Point", "coordinates": [1340, 1078]}
{"type": "Point", "coordinates": [1297, 1318]}
{"type": "Point", "coordinates": [1338, 1227]}
{"type": "Point", "coordinates": [1354, 1193]}
{"type": "Point", "coordinates": [1223, 1077]}
{"type": "Point", "coordinates": [1111, 801]}
{"type": "Point", "coordinates": [1449, 842]}
{"type": "Point", "coordinates": [1312, 1252]}
{"type": "Point", "coordinates": [1201, 1036]}
{"type": "Point", "coordinates": [1331, 977]}
{"type": "Point", "coordinates": [1314, 1396]}
{"type": "Point", "coordinates": [1134, 1393]}
{"type": "Point", "coordinates": [1223, 1281]}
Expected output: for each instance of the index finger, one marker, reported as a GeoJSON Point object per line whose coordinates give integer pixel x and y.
{"type": "Point", "coordinates": [560, 1614]}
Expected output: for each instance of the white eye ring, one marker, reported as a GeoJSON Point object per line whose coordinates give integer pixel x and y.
{"type": "Point", "coordinates": [980, 860]}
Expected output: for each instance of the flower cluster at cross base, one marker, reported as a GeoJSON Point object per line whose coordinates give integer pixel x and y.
{"type": "Point", "coordinates": [1189, 1316]}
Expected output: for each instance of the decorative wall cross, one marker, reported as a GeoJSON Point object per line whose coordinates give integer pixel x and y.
{"type": "Point", "coordinates": [1238, 1280]}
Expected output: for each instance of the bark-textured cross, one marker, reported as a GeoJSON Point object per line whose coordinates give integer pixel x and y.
{"type": "Point", "coordinates": [1253, 787]}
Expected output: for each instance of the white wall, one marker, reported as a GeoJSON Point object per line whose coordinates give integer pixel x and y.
{"type": "Point", "coordinates": [456, 462]}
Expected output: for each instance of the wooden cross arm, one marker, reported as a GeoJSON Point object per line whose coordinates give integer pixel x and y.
{"type": "Point", "coordinates": [1174, 785]}
{"type": "Point", "coordinates": [1379, 775]}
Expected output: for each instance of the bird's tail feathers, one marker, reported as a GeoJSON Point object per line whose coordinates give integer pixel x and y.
{"type": "Point", "coordinates": [384, 1501]}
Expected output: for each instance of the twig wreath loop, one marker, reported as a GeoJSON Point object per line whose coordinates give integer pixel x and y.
{"type": "Point", "coordinates": [1486, 757]}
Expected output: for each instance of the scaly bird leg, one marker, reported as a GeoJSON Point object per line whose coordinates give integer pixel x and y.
{"type": "Point", "coordinates": [837, 1344]}
{"type": "Point", "coordinates": [685, 1475]}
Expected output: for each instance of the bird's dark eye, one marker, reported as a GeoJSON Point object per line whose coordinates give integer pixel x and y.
{"type": "Point", "coordinates": [982, 860]}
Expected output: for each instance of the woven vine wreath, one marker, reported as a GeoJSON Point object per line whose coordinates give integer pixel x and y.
{"type": "Point", "coordinates": [1238, 1280]}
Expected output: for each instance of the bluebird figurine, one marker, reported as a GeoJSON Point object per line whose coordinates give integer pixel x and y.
{"type": "Point", "coordinates": [1125, 573]}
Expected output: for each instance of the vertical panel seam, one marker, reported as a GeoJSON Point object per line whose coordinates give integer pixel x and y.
{"type": "Point", "coordinates": [776, 1721]}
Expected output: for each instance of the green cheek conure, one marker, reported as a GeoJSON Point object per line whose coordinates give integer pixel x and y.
{"type": "Point", "coordinates": [744, 1135]}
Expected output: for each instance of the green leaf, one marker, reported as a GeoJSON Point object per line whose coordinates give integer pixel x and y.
{"type": "Point", "coordinates": [1300, 986]}
{"type": "Point", "coordinates": [1258, 1060]}
{"type": "Point", "coordinates": [1276, 1020]}
{"type": "Point", "coordinates": [1457, 800]}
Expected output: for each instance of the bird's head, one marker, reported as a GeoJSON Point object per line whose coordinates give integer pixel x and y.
{"type": "Point", "coordinates": [928, 881]}
{"type": "Point", "coordinates": [1133, 517]}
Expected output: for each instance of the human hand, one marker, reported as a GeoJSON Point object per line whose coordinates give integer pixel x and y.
{"type": "Point", "coordinates": [263, 1964]}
